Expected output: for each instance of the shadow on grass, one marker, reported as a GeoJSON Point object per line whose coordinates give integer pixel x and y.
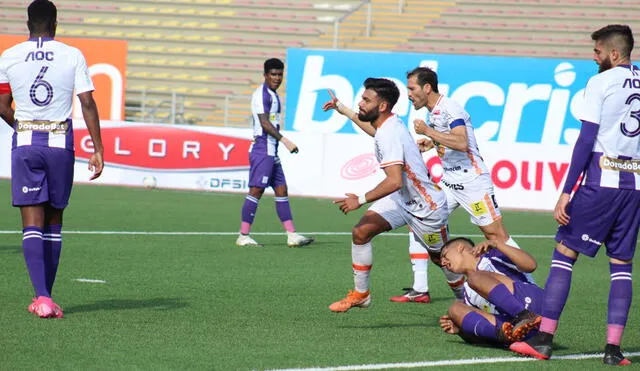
{"type": "Point", "coordinates": [283, 243]}
{"type": "Point", "coordinates": [455, 339]}
{"type": "Point", "coordinates": [124, 304]}
{"type": "Point", "coordinates": [387, 325]}
{"type": "Point", "coordinates": [11, 249]}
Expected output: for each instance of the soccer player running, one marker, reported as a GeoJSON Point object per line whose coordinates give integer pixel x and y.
{"type": "Point", "coordinates": [406, 196]}
{"type": "Point", "coordinates": [467, 182]}
{"type": "Point", "coordinates": [499, 296]}
{"type": "Point", "coordinates": [606, 207]}
{"type": "Point", "coordinates": [265, 167]}
{"type": "Point", "coordinates": [40, 75]}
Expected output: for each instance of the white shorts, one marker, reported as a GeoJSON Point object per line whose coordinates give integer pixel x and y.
{"type": "Point", "coordinates": [476, 197]}
{"type": "Point", "coordinates": [431, 230]}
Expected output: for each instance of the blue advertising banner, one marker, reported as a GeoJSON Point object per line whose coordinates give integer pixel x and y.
{"type": "Point", "coordinates": [510, 99]}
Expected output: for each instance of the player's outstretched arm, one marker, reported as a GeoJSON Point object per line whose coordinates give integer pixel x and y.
{"type": "Point", "coordinates": [268, 127]}
{"type": "Point", "coordinates": [335, 104]}
{"type": "Point", "coordinates": [6, 112]}
{"type": "Point", "coordinates": [91, 118]}
{"type": "Point", "coordinates": [456, 139]}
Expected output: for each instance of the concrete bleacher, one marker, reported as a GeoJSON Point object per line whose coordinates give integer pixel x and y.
{"type": "Point", "coordinates": [211, 51]}
{"type": "Point", "coordinates": [202, 50]}
{"type": "Point", "coordinates": [539, 28]}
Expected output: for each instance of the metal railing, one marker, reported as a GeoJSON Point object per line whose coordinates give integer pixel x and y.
{"type": "Point", "coordinates": [400, 6]}
{"type": "Point", "coordinates": [165, 111]}
{"type": "Point", "coordinates": [336, 23]}
{"type": "Point", "coordinates": [240, 117]}
{"type": "Point", "coordinates": [369, 21]}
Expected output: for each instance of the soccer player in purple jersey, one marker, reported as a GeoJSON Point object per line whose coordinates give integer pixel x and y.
{"type": "Point", "coordinates": [265, 168]}
{"type": "Point", "coordinates": [606, 207]}
{"type": "Point", "coordinates": [41, 75]}
{"type": "Point", "coordinates": [500, 299]}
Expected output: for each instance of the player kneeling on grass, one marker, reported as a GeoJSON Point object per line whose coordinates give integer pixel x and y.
{"type": "Point", "coordinates": [500, 298]}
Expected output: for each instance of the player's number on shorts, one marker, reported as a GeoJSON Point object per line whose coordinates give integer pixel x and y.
{"type": "Point", "coordinates": [39, 83]}
{"type": "Point", "coordinates": [635, 115]}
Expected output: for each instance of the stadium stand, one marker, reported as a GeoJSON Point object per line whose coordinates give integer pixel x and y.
{"type": "Point", "coordinates": [209, 52]}
{"type": "Point", "coordinates": [539, 28]}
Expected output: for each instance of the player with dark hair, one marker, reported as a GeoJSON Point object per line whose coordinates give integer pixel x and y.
{"type": "Point", "coordinates": [500, 299]}
{"type": "Point", "coordinates": [606, 207]}
{"type": "Point", "coordinates": [406, 196]}
{"type": "Point", "coordinates": [466, 180]}
{"type": "Point", "coordinates": [265, 167]}
{"type": "Point", "coordinates": [41, 75]}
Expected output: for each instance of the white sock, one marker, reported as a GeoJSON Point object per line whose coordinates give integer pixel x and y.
{"type": "Point", "coordinates": [362, 261]}
{"type": "Point", "coordinates": [419, 263]}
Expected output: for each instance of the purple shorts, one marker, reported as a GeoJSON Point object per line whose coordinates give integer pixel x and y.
{"type": "Point", "coordinates": [265, 171]}
{"type": "Point", "coordinates": [599, 216]}
{"type": "Point", "coordinates": [530, 295]}
{"type": "Point", "coordinates": [41, 175]}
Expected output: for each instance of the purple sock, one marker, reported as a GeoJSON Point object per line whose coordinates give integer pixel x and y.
{"type": "Point", "coordinates": [32, 247]}
{"type": "Point", "coordinates": [283, 209]}
{"type": "Point", "coordinates": [620, 295]}
{"type": "Point", "coordinates": [248, 213]}
{"type": "Point", "coordinates": [475, 323]}
{"type": "Point", "coordinates": [556, 291]}
{"type": "Point", "coordinates": [505, 301]}
{"type": "Point", "coordinates": [52, 240]}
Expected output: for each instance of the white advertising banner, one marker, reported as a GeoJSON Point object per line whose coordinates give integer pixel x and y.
{"type": "Point", "coordinates": [526, 176]}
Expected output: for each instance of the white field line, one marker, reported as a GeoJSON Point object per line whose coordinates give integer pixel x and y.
{"type": "Point", "coordinates": [89, 280]}
{"type": "Point", "coordinates": [449, 362]}
{"type": "Point", "coordinates": [161, 233]}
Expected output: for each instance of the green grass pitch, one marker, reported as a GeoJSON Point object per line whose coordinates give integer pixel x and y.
{"type": "Point", "coordinates": [187, 302]}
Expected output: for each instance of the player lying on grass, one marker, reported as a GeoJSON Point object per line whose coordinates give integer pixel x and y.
{"type": "Point", "coordinates": [500, 298]}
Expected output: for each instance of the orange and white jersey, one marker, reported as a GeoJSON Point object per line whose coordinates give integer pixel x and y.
{"type": "Point", "coordinates": [458, 166]}
{"type": "Point", "coordinates": [394, 145]}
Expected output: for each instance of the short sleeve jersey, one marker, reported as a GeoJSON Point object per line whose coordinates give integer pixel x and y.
{"type": "Point", "coordinates": [458, 166]}
{"type": "Point", "coordinates": [612, 101]}
{"type": "Point", "coordinates": [496, 262]}
{"type": "Point", "coordinates": [265, 100]}
{"type": "Point", "coordinates": [42, 75]}
{"type": "Point", "coordinates": [394, 145]}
